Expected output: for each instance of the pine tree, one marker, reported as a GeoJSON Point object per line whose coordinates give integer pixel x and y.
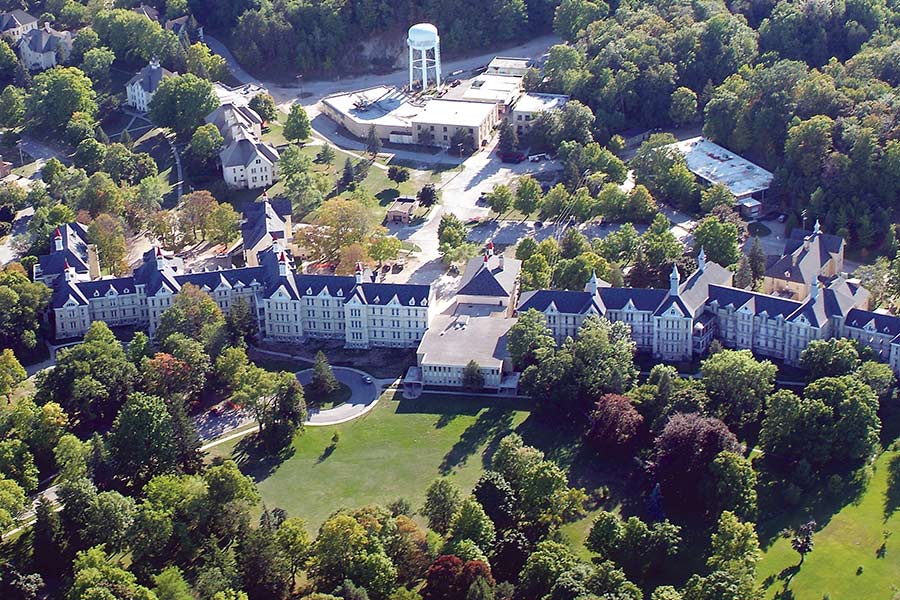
{"type": "Point", "coordinates": [187, 440]}
{"type": "Point", "coordinates": [347, 176]}
{"type": "Point", "coordinates": [48, 539]}
{"type": "Point", "coordinates": [757, 259]}
{"type": "Point", "coordinates": [373, 142]}
{"type": "Point", "coordinates": [509, 139]}
{"type": "Point", "coordinates": [325, 155]}
{"type": "Point", "coordinates": [323, 380]}
{"type": "Point", "coordinates": [125, 139]}
{"type": "Point", "coordinates": [744, 276]}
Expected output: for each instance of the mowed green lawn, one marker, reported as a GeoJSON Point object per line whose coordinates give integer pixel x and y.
{"type": "Point", "coordinates": [394, 451]}
{"type": "Point", "coordinates": [852, 539]}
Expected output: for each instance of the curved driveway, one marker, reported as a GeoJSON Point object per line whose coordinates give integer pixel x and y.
{"type": "Point", "coordinates": [362, 397]}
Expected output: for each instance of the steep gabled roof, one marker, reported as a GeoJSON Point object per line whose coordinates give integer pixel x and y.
{"type": "Point", "coordinates": [379, 294]}
{"type": "Point", "coordinates": [565, 301]}
{"type": "Point", "coordinates": [758, 303]}
{"type": "Point", "coordinates": [487, 278]}
{"type": "Point", "coordinates": [15, 18]}
{"type": "Point", "coordinates": [42, 41]}
{"type": "Point", "coordinates": [883, 324]}
{"type": "Point", "coordinates": [643, 299]}
{"type": "Point", "coordinates": [149, 77]}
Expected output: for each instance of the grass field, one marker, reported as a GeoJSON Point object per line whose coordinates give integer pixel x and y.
{"type": "Point", "coordinates": [855, 554]}
{"type": "Point", "coordinates": [396, 450]}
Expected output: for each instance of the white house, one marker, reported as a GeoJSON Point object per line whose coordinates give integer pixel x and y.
{"type": "Point", "coordinates": [249, 163]}
{"type": "Point", "coordinates": [43, 48]}
{"type": "Point", "coordinates": [141, 88]}
{"type": "Point", "coordinates": [16, 23]}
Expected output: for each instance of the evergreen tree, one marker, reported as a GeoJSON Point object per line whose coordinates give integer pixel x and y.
{"type": "Point", "coordinates": [325, 155]}
{"type": "Point", "coordinates": [744, 276]}
{"type": "Point", "coordinates": [347, 176]}
{"type": "Point", "coordinates": [373, 142]}
{"type": "Point", "coordinates": [323, 380]}
{"type": "Point", "coordinates": [757, 259]}
{"type": "Point", "coordinates": [509, 139]}
{"type": "Point", "coordinates": [49, 540]}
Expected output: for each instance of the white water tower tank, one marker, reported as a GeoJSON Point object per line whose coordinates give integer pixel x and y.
{"type": "Point", "coordinates": [423, 38]}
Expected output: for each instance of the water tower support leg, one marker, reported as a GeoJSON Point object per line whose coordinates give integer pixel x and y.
{"type": "Point", "coordinates": [437, 65]}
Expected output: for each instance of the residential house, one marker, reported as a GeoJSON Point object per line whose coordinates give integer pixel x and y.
{"type": "Point", "coordinates": [249, 163]}
{"type": "Point", "coordinates": [808, 258]}
{"type": "Point", "coordinates": [16, 23]}
{"type": "Point", "coordinates": [141, 88]}
{"type": "Point", "coordinates": [265, 222]}
{"type": "Point", "coordinates": [44, 48]}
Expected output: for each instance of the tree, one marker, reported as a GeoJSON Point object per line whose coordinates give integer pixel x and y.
{"type": "Point", "coordinates": [107, 233]}
{"type": "Point", "coordinates": [733, 485]}
{"type": "Point", "coordinates": [498, 500]}
{"type": "Point", "coordinates": [500, 199]}
{"type": "Point", "coordinates": [802, 540]}
{"type": "Point", "coordinates": [529, 339]}
{"type": "Point", "coordinates": [509, 139]}
{"type": "Point", "coordinates": [192, 313]}
{"type": "Point", "coordinates": [471, 523]}
{"type": "Point", "coordinates": [340, 222]}
{"type": "Point", "coordinates": [264, 105]}
{"type": "Point", "coordinates": [757, 257]}
{"type": "Point", "coordinates": [373, 142]}
{"type": "Point", "coordinates": [528, 195]}
{"type": "Point", "coordinates": [829, 358]}
{"type": "Point", "coordinates": [265, 570]}
{"type": "Point", "coordinates": [398, 174]}
{"type": "Point", "coordinates": [297, 127]}
{"type": "Point", "coordinates": [295, 544]}
{"type": "Point", "coordinates": [743, 278]}
{"type": "Point", "coordinates": [716, 195]}
{"type": "Point", "coordinates": [683, 106]}
{"type": "Point", "coordinates": [427, 195]}
{"type": "Point", "coordinates": [171, 585]}
{"type": "Point", "coordinates": [338, 547]}
{"type": "Point", "coordinates": [684, 455]}
{"type": "Point", "coordinates": [102, 195]}
{"type": "Point", "coordinates": [71, 455]}
{"type": "Point", "coordinates": [142, 439]}
{"type": "Point", "coordinates": [57, 94]}
{"type": "Point", "coordinates": [737, 385]}
{"type": "Point", "coordinates": [442, 581]}
{"type": "Point", "coordinates": [89, 155]}
{"type": "Point", "coordinates": [442, 499]}
{"type": "Point", "coordinates": [543, 568]}
{"type": "Point", "coordinates": [632, 544]}
{"type": "Point", "coordinates": [207, 142]}
{"type": "Point", "coordinates": [12, 502]}
{"type": "Point", "coordinates": [49, 541]}
{"type": "Point", "coordinates": [614, 423]}
{"type": "Point", "coordinates": [196, 209]}
{"type": "Point", "coordinates": [472, 377]}
{"type": "Point", "coordinates": [451, 230]}
{"type": "Point", "coordinates": [383, 248]}
{"type": "Point", "coordinates": [11, 373]}
{"type": "Point", "coordinates": [96, 576]}
{"type": "Point", "coordinates": [326, 155]}
{"type": "Point", "coordinates": [97, 62]}
{"type": "Point", "coordinates": [223, 225]}
{"type": "Point", "coordinates": [719, 241]}
{"type": "Point", "coordinates": [12, 106]}
{"type": "Point", "coordinates": [734, 545]}
{"type": "Point", "coordinates": [181, 102]}
{"type": "Point", "coordinates": [323, 380]}
{"type": "Point", "coordinates": [201, 61]}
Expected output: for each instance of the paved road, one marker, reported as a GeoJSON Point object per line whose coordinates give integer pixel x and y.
{"type": "Point", "coordinates": [362, 397]}
{"type": "Point", "coordinates": [42, 152]}
{"type": "Point", "coordinates": [20, 225]}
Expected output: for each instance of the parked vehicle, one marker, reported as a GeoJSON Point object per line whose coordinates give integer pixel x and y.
{"type": "Point", "coordinates": [511, 157]}
{"type": "Point", "coordinates": [538, 157]}
{"type": "Point", "coordinates": [367, 379]}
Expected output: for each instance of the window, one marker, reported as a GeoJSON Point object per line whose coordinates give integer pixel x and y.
{"type": "Point", "coordinates": [518, 117]}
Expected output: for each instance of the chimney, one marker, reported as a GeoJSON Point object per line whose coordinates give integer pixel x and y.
{"type": "Point", "coordinates": [486, 258]}
{"type": "Point", "coordinates": [674, 281]}
{"type": "Point", "coordinates": [490, 248]}
{"type": "Point", "coordinates": [58, 241]}
{"type": "Point", "coordinates": [701, 260]}
{"type": "Point", "coordinates": [814, 290]}
{"type": "Point", "coordinates": [276, 247]}
{"type": "Point", "coordinates": [359, 272]}
{"type": "Point", "coordinates": [593, 284]}
{"type": "Point", "coordinates": [500, 261]}
{"type": "Point", "coordinates": [816, 228]}
{"type": "Point", "coordinates": [160, 259]}
{"type": "Point", "coordinates": [68, 272]}
{"type": "Point", "coordinates": [154, 63]}
{"type": "Point", "coordinates": [282, 265]}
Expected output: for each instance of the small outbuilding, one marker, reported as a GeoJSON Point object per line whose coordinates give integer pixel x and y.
{"type": "Point", "coordinates": [401, 211]}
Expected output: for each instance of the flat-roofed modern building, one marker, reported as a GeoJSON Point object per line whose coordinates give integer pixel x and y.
{"type": "Point", "coordinates": [714, 164]}
{"type": "Point", "coordinates": [439, 120]}
{"type": "Point", "coordinates": [508, 65]}
{"type": "Point", "coordinates": [529, 106]}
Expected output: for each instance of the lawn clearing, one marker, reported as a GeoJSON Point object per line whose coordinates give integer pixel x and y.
{"type": "Point", "coordinates": [335, 398]}
{"type": "Point", "coordinates": [395, 450]}
{"type": "Point", "coordinates": [860, 535]}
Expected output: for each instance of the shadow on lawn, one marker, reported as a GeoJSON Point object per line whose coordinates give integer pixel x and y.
{"type": "Point", "coordinates": [259, 460]}
{"type": "Point", "coordinates": [892, 494]}
{"type": "Point", "coordinates": [490, 427]}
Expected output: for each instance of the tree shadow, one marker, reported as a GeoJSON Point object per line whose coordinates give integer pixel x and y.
{"type": "Point", "coordinates": [328, 451]}
{"type": "Point", "coordinates": [258, 459]}
{"type": "Point", "coordinates": [491, 425]}
{"type": "Point", "coordinates": [892, 493]}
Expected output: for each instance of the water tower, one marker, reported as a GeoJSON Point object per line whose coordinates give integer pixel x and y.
{"type": "Point", "coordinates": [422, 38]}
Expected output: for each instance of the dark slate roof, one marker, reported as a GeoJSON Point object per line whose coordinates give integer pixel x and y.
{"type": "Point", "coordinates": [694, 291]}
{"type": "Point", "coordinates": [379, 294]}
{"type": "Point", "coordinates": [805, 253]}
{"type": "Point", "coordinates": [486, 278]}
{"type": "Point", "coordinates": [813, 310]}
{"type": "Point", "coordinates": [56, 262]}
{"type": "Point", "coordinates": [64, 290]}
{"type": "Point", "coordinates": [645, 299]}
{"type": "Point", "coordinates": [15, 18]}
{"type": "Point", "coordinates": [149, 77]}
{"type": "Point", "coordinates": [831, 243]}
{"type": "Point", "coordinates": [337, 286]}
{"type": "Point", "coordinates": [758, 303]}
{"type": "Point", "coordinates": [42, 41]}
{"type": "Point", "coordinates": [677, 302]}
{"type": "Point", "coordinates": [565, 301]}
{"type": "Point", "coordinates": [153, 278]}
{"type": "Point", "coordinates": [264, 218]}
{"type": "Point", "coordinates": [241, 151]}
{"type": "Point", "coordinates": [177, 24]}
{"type": "Point", "coordinates": [884, 324]}
{"type": "Point", "coordinates": [211, 280]}
{"type": "Point", "coordinates": [74, 242]}
{"type": "Point", "coordinates": [100, 287]}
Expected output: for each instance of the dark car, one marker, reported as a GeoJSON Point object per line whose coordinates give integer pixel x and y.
{"type": "Point", "coordinates": [538, 224]}
{"type": "Point", "coordinates": [512, 157]}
